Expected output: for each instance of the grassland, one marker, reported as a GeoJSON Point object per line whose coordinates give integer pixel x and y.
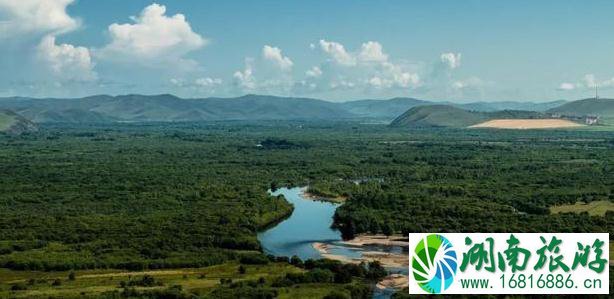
{"type": "Point", "coordinates": [594, 208]}
{"type": "Point", "coordinates": [200, 282]}
{"type": "Point", "coordinates": [95, 283]}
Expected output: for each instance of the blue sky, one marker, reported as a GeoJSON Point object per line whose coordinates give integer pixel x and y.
{"type": "Point", "coordinates": [335, 50]}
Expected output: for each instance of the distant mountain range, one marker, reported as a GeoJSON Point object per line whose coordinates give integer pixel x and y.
{"type": "Point", "coordinates": [169, 108]}
{"type": "Point", "coordinates": [14, 124]}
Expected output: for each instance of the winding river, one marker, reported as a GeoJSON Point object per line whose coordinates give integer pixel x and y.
{"type": "Point", "coordinates": [309, 223]}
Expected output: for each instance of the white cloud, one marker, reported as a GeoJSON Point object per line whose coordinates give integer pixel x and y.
{"type": "Point", "coordinates": [314, 72]}
{"type": "Point", "coordinates": [66, 61]}
{"type": "Point", "coordinates": [208, 82]}
{"type": "Point", "coordinates": [367, 67]}
{"type": "Point", "coordinates": [451, 60]}
{"type": "Point", "coordinates": [35, 17]}
{"type": "Point", "coordinates": [400, 77]}
{"type": "Point", "coordinates": [245, 79]}
{"type": "Point", "coordinates": [567, 86]}
{"type": "Point", "coordinates": [154, 37]}
{"type": "Point", "coordinates": [337, 52]}
{"type": "Point", "coordinates": [393, 75]}
{"type": "Point", "coordinates": [342, 84]}
{"type": "Point", "coordinates": [28, 31]}
{"type": "Point", "coordinates": [589, 81]}
{"type": "Point", "coordinates": [205, 82]}
{"type": "Point", "coordinates": [473, 82]}
{"type": "Point", "coordinates": [274, 55]}
{"type": "Point", "coordinates": [372, 52]}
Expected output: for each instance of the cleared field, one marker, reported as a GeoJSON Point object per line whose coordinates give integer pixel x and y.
{"type": "Point", "coordinates": [595, 208]}
{"type": "Point", "coordinates": [527, 124]}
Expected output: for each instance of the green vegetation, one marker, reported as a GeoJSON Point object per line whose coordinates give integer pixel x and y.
{"type": "Point", "coordinates": [190, 197]}
{"type": "Point", "coordinates": [311, 279]}
{"type": "Point", "coordinates": [593, 208]}
{"type": "Point", "coordinates": [454, 117]}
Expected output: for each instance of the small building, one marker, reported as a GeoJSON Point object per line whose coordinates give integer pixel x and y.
{"type": "Point", "coordinates": [591, 120]}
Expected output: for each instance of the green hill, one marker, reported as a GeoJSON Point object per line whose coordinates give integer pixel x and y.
{"type": "Point", "coordinates": [599, 107]}
{"type": "Point", "coordinates": [454, 117]}
{"type": "Point", "coordinates": [438, 116]}
{"type": "Point", "coordinates": [15, 124]}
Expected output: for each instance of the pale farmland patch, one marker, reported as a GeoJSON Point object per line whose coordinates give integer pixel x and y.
{"type": "Point", "coordinates": [594, 208]}
{"type": "Point", "coordinates": [527, 124]}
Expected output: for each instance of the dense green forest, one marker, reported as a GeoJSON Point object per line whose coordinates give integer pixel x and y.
{"type": "Point", "coordinates": [149, 196]}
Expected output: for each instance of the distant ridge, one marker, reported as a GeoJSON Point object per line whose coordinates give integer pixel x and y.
{"type": "Point", "coordinates": [170, 108]}
{"type": "Point", "coordinates": [597, 107]}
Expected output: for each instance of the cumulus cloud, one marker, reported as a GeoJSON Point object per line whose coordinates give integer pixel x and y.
{"type": "Point", "coordinates": [566, 86]}
{"type": "Point", "coordinates": [204, 82]}
{"type": "Point", "coordinates": [154, 37]}
{"type": "Point", "coordinates": [372, 52]}
{"type": "Point", "coordinates": [451, 60]}
{"type": "Point", "coordinates": [369, 67]}
{"type": "Point", "coordinates": [314, 72]}
{"type": "Point", "coordinates": [245, 79]}
{"type": "Point", "coordinates": [28, 32]}
{"type": "Point", "coordinates": [274, 55]}
{"type": "Point", "coordinates": [41, 17]}
{"type": "Point", "coordinates": [66, 61]}
{"type": "Point", "coordinates": [337, 52]}
{"type": "Point", "coordinates": [393, 76]}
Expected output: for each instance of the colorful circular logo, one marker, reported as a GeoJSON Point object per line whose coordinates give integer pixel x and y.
{"type": "Point", "coordinates": [434, 264]}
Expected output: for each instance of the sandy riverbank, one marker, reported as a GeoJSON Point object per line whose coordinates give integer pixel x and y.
{"type": "Point", "coordinates": [390, 260]}
{"type": "Point", "coordinates": [323, 249]}
{"type": "Point", "coordinates": [393, 281]}
{"type": "Point", "coordinates": [362, 240]}
{"type": "Point", "coordinates": [310, 196]}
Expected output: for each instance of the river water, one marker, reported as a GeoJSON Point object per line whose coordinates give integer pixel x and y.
{"type": "Point", "coordinates": [310, 222]}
